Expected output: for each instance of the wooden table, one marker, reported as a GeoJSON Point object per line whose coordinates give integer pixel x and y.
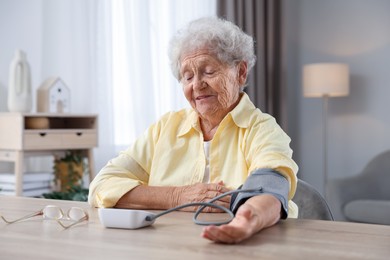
{"type": "Point", "coordinates": [174, 236]}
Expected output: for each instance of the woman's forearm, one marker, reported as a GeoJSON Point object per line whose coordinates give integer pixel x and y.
{"type": "Point", "coordinates": [267, 208]}
{"type": "Point", "coordinates": [148, 197]}
{"type": "Point", "coordinates": [157, 197]}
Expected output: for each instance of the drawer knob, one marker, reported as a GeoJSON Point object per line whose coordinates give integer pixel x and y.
{"type": "Point", "coordinates": [42, 134]}
{"type": "Point", "coordinates": [79, 133]}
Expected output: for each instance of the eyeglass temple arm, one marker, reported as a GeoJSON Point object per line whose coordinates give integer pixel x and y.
{"type": "Point", "coordinates": [38, 213]}
{"type": "Point", "coordinates": [74, 223]}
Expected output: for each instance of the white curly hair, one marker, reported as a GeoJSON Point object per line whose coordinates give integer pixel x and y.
{"type": "Point", "coordinates": [224, 39]}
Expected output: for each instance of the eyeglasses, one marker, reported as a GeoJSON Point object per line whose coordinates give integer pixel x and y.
{"type": "Point", "coordinates": [75, 214]}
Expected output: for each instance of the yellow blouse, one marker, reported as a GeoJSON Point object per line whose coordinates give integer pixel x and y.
{"type": "Point", "coordinates": [171, 153]}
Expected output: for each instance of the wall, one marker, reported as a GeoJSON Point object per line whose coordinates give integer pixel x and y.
{"type": "Point", "coordinates": [20, 27]}
{"type": "Point", "coordinates": [33, 26]}
{"type": "Point", "coordinates": [355, 32]}
{"type": "Point", "coordinates": [351, 31]}
{"type": "Point", "coordinates": [65, 41]}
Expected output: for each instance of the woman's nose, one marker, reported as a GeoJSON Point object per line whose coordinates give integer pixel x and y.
{"type": "Point", "coordinates": [198, 83]}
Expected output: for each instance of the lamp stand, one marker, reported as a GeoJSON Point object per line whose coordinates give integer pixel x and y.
{"type": "Point", "coordinates": [325, 99]}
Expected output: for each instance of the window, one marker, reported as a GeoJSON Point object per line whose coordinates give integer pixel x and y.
{"type": "Point", "coordinates": [143, 87]}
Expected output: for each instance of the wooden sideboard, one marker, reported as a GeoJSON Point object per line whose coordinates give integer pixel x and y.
{"type": "Point", "coordinates": [25, 134]}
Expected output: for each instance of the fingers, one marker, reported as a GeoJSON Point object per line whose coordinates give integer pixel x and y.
{"type": "Point", "coordinates": [215, 190]}
{"type": "Point", "coordinates": [212, 194]}
{"type": "Point", "coordinates": [223, 234]}
{"type": "Point", "coordinates": [220, 187]}
{"type": "Point", "coordinates": [216, 210]}
{"type": "Point", "coordinates": [209, 209]}
{"type": "Point", "coordinates": [202, 192]}
{"type": "Point", "coordinates": [239, 229]}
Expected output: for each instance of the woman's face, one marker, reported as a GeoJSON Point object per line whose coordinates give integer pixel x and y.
{"type": "Point", "coordinates": [210, 86]}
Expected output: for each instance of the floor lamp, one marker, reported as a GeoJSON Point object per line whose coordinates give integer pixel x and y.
{"type": "Point", "coordinates": [325, 80]}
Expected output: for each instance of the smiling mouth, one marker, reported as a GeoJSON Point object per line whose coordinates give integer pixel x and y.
{"type": "Point", "coordinates": [203, 97]}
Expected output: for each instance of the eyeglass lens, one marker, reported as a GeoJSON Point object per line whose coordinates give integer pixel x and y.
{"type": "Point", "coordinates": [55, 212]}
{"type": "Point", "coordinates": [52, 212]}
{"type": "Point", "coordinates": [76, 213]}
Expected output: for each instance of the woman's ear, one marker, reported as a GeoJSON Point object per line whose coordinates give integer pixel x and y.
{"type": "Point", "coordinates": [242, 73]}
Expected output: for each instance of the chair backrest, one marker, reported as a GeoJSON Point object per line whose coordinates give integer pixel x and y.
{"type": "Point", "coordinates": [310, 202]}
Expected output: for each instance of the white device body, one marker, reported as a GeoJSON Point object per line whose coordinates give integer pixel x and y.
{"type": "Point", "coordinates": [124, 218]}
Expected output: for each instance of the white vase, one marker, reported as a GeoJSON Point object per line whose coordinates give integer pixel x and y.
{"type": "Point", "coordinates": [19, 89]}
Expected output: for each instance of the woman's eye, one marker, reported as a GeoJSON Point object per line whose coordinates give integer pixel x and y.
{"type": "Point", "coordinates": [209, 72]}
{"type": "Point", "coordinates": [187, 76]}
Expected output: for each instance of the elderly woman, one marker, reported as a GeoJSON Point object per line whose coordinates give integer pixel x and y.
{"type": "Point", "coordinates": [220, 143]}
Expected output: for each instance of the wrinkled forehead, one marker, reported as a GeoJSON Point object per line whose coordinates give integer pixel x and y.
{"type": "Point", "coordinates": [196, 53]}
{"type": "Point", "coordinates": [198, 58]}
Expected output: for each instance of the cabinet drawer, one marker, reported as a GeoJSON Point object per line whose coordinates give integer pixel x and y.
{"type": "Point", "coordinates": [80, 139]}
{"type": "Point", "coordinates": [42, 140]}
{"type": "Point", "coordinates": [60, 140]}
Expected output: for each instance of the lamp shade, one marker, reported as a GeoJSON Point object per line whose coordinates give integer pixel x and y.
{"type": "Point", "coordinates": [325, 79]}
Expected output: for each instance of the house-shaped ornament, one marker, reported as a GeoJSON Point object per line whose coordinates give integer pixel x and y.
{"type": "Point", "coordinates": [53, 96]}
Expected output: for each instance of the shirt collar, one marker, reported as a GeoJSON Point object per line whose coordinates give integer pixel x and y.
{"type": "Point", "coordinates": [191, 121]}
{"type": "Point", "coordinates": [240, 115]}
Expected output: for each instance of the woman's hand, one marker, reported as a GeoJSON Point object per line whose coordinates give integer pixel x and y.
{"type": "Point", "coordinates": [201, 192]}
{"type": "Point", "coordinates": [256, 214]}
{"type": "Point", "coordinates": [241, 227]}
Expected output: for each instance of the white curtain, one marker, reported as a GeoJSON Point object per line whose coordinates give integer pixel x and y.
{"type": "Point", "coordinates": [129, 65]}
{"type": "Point", "coordinates": [113, 57]}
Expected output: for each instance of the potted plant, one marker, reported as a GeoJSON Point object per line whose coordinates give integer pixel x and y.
{"type": "Point", "coordinates": [68, 171]}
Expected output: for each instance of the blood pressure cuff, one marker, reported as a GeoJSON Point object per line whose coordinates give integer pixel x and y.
{"type": "Point", "coordinates": [271, 182]}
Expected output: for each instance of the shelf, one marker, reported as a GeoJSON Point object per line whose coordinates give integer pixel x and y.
{"type": "Point", "coordinates": [25, 134]}
{"type": "Point", "coordinates": [42, 131]}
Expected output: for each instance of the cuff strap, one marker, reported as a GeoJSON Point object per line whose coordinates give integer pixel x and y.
{"type": "Point", "coordinates": [271, 182]}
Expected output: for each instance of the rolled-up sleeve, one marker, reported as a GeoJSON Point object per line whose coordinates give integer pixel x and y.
{"type": "Point", "coordinates": [269, 148]}
{"type": "Point", "coordinates": [125, 172]}
{"type": "Point", "coordinates": [118, 177]}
